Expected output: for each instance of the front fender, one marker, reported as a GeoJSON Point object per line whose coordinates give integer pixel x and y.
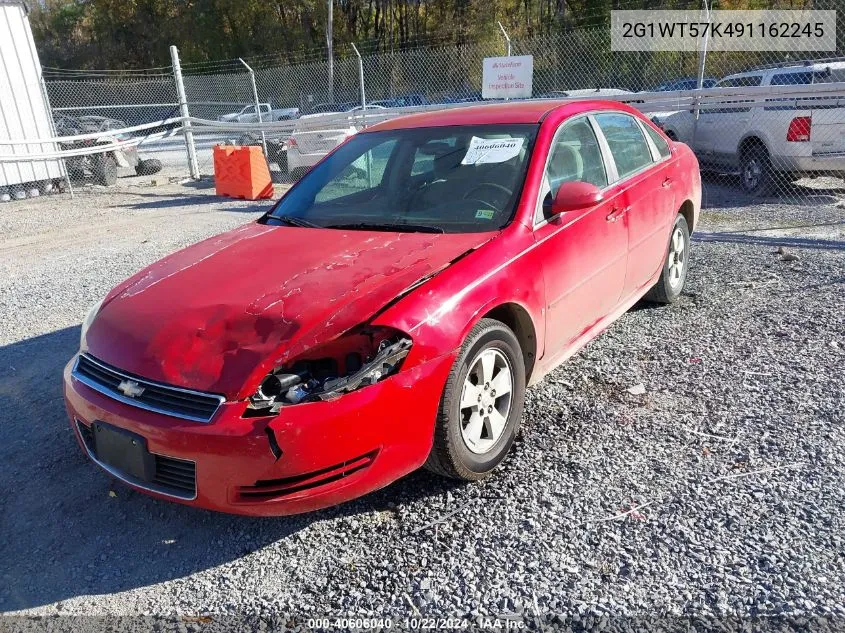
{"type": "Point", "coordinates": [439, 314]}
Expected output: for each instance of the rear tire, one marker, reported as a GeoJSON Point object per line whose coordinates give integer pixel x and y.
{"type": "Point", "coordinates": [476, 424]}
{"type": "Point", "coordinates": [673, 276]}
{"type": "Point", "coordinates": [755, 171]}
{"type": "Point", "coordinates": [105, 170]}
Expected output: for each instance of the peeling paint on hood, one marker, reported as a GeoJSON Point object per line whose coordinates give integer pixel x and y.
{"type": "Point", "coordinates": [209, 316]}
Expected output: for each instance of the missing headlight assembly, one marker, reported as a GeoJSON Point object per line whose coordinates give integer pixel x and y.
{"type": "Point", "coordinates": [358, 359]}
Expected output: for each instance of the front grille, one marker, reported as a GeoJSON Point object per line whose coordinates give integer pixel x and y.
{"type": "Point", "coordinates": [174, 477]}
{"type": "Point", "coordinates": [175, 401]}
{"type": "Point", "coordinates": [268, 489]}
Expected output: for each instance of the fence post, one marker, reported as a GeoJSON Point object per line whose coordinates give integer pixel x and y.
{"type": "Point", "coordinates": [185, 114]}
{"type": "Point", "coordinates": [330, 48]}
{"type": "Point", "coordinates": [702, 62]}
{"type": "Point", "coordinates": [257, 106]}
{"type": "Point", "coordinates": [507, 38]}
{"type": "Point", "coordinates": [62, 162]}
{"type": "Point", "coordinates": [361, 78]}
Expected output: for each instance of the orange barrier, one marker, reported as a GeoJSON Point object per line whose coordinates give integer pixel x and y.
{"type": "Point", "coordinates": [241, 172]}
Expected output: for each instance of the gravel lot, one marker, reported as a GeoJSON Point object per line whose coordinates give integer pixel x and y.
{"type": "Point", "coordinates": [717, 492]}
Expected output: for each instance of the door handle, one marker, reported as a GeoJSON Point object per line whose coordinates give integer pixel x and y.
{"type": "Point", "coordinates": [667, 182]}
{"type": "Point", "coordinates": [616, 213]}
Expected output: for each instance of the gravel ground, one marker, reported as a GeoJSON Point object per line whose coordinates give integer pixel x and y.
{"type": "Point", "coordinates": [689, 462]}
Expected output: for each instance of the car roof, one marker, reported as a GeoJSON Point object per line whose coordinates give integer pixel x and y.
{"type": "Point", "coordinates": [815, 66]}
{"type": "Point", "coordinates": [802, 67]}
{"type": "Point", "coordinates": [496, 114]}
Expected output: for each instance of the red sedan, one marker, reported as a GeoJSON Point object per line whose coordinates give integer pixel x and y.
{"type": "Point", "coordinates": [388, 312]}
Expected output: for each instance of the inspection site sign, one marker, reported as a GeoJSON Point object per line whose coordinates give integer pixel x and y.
{"type": "Point", "coordinates": [507, 77]}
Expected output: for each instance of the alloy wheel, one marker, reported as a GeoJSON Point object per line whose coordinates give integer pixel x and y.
{"type": "Point", "coordinates": [677, 257]}
{"type": "Point", "coordinates": [751, 173]}
{"type": "Point", "coordinates": [486, 400]}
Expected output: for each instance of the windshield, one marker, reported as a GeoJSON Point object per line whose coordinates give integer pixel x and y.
{"type": "Point", "coordinates": [461, 179]}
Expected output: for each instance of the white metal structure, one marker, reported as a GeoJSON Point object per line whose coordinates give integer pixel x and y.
{"type": "Point", "coordinates": [24, 111]}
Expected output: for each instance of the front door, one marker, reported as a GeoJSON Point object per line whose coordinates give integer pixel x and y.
{"type": "Point", "coordinates": [582, 253]}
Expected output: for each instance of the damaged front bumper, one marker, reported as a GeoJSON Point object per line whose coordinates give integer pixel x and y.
{"type": "Point", "coordinates": [309, 456]}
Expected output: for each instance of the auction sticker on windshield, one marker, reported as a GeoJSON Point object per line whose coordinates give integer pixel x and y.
{"type": "Point", "coordinates": [482, 151]}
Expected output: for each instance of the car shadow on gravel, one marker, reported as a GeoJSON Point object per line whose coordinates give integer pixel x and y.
{"type": "Point", "coordinates": [732, 237]}
{"type": "Point", "coordinates": [164, 202]}
{"type": "Point", "coordinates": [71, 530]}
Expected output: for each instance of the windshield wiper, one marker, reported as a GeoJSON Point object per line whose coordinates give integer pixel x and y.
{"type": "Point", "coordinates": [292, 221]}
{"type": "Point", "coordinates": [386, 226]}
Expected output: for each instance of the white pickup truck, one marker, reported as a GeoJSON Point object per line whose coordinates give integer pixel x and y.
{"type": "Point", "coordinates": [268, 113]}
{"type": "Point", "coordinates": [774, 142]}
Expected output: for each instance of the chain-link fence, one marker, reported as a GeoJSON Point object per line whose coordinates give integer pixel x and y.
{"type": "Point", "coordinates": [761, 132]}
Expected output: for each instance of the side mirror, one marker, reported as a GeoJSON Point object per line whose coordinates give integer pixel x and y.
{"type": "Point", "coordinates": [575, 195]}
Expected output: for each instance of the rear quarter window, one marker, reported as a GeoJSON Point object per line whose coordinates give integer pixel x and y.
{"type": "Point", "coordinates": [659, 142]}
{"type": "Point", "coordinates": [795, 79]}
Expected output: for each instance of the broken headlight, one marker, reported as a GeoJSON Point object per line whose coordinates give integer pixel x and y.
{"type": "Point", "coordinates": [358, 359]}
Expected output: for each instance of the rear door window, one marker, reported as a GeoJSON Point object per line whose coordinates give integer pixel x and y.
{"type": "Point", "coordinates": [628, 146]}
{"type": "Point", "coordinates": [803, 78]}
{"type": "Point", "coordinates": [800, 79]}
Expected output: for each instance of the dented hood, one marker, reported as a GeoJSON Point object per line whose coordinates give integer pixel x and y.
{"type": "Point", "coordinates": [209, 316]}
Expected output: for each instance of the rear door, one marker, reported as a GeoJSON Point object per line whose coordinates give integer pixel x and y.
{"type": "Point", "coordinates": [647, 194]}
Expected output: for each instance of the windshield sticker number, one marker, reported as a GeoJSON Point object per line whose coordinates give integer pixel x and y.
{"type": "Point", "coordinates": [484, 214]}
{"type": "Point", "coordinates": [498, 150]}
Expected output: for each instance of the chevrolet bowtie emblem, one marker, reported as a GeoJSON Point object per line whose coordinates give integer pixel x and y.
{"type": "Point", "coordinates": [130, 388]}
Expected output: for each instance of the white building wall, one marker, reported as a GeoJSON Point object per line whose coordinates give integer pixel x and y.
{"type": "Point", "coordinates": [24, 112]}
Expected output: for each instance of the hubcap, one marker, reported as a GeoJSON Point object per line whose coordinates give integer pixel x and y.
{"type": "Point", "coordinates": [486, 400]}
{"type": "Point", "coordinates": [677, 257]}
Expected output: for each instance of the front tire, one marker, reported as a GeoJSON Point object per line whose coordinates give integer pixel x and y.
{"type": "Point", "coordinates": [481, 406]}
{"type": "Point", "coordinates": [673, 276]}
